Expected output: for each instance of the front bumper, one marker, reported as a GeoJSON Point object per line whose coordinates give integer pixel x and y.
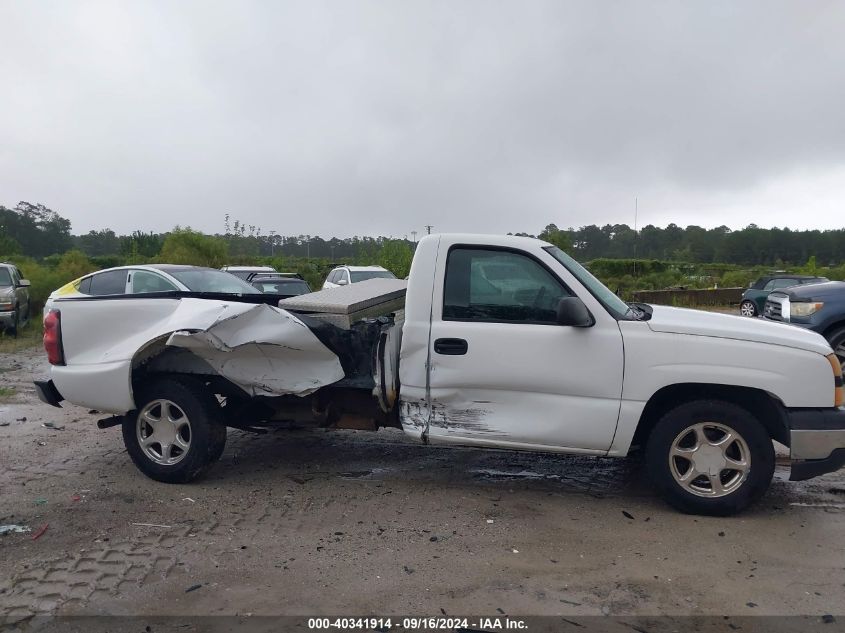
{"type": "Point", "coordinates": [48, 393]}
{"type": "Point", "coordinates": [7, 319]}
{"type": "Point", "coordinates": [817, 442]}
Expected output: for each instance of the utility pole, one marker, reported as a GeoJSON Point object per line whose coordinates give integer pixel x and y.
{"type": "Point", "coordinates": [414, 233]}
{"type": "Point", "coordinates": [428, 228]}
{"type": "Point", "coordinates": [272, 243]}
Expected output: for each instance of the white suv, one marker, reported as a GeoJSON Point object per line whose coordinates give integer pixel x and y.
{"type": "Point", "coordinates": [345, 275]}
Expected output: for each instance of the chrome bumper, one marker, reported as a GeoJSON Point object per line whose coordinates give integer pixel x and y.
{"type": "Point", "coordinates": [817, 442]}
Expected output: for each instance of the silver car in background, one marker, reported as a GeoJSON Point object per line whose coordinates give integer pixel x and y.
{"type": "Point", "coordinates": [14, 298]}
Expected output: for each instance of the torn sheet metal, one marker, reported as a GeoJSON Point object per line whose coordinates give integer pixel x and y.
{"type": "Point", "coordinates": [264, 350]}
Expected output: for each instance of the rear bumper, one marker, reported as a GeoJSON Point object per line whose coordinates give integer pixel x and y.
{"type": "Point", "coordinates": [48, 393]}
{"type": "Point", "coordinates": [817, 442]}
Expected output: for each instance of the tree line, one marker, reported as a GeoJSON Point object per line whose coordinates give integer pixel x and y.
{"type": "Point", "coordinates": [40, 241]}
{"type": "Point", "coordinates": [34, 230]}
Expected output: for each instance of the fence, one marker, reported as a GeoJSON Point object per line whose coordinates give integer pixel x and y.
{"type": "Point", "coordinates": [694, 297]}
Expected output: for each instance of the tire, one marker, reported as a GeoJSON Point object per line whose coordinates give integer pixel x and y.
{"type": "Point", "coordinates": [837, 342]}
{"type": "Point", "coordinates": [743, 466]}
{"type": "Point", "coordinates": [182, 422]}
{"type": "Point", "coordinates": [748, 309]}
{"type": "Point", "coordinates": [218, 445]}
{"type": "Point", "coordinates": [16, 322]}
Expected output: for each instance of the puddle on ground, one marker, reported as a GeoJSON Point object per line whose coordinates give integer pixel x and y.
{"type": "Point", "coordinates": [489, 473]}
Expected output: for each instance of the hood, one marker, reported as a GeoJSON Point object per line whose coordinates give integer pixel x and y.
{"type": "Point", "coordinates": [701, 323]}
{"type": "Point", "coordinates": [811, 292]}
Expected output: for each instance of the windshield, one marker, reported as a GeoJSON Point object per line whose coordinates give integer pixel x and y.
{"type": "Point", "coordinates": [207, 280]}
{"type": "Point", "coordinates": [597, 288]}
{"type": "Point", "coordinates": [5, 277]}
{"type": "Point", "coordinates": [363, 275]}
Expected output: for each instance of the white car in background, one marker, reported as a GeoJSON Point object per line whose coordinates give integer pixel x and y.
{"type": "Point", "coordinates": [345, 275]}
{"type": "Point", "coordinates": [151, 278]}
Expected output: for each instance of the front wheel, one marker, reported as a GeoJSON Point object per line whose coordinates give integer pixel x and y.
{"type": "Point", "coordinates": [177, 430]}
{"type": "Point", "coordinates": [16, 321]}
{"type": "Point", "coordinates": [748, 309]}
{"type": "Point", "coordinates": [710, 457]}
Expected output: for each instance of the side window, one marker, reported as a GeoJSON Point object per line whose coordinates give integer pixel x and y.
{"type": "Point", "coordinates": [112, 282]}
{"type": "Point", "coordinates": [145, 281]}
{"type": "Point", "coordinates": [784, 283]}
{"type": "Point", "coordinates": [344, 274]}
{"type": "Point", "coordinates": [499, 286]}
{"type": "Point", "coordinates": [334, 276]}
{"type": "Point", "coordinates": [770, 285]}
{"type": "Point", "coordinates": [85, 286]}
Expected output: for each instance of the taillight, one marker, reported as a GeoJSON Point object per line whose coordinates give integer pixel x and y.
{"type": "Point", "coordinates": [53, 337]}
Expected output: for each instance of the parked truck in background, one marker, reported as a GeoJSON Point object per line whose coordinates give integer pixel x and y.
{"type": "Point", "coordinates": [14, 298]}
{"type": "Point", "coordinates": [504, 342]}
{"type": "Point", "coordinates": [818, 307]}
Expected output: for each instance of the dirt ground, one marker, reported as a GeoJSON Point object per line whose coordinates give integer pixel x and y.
{"type": "Point", "coordinates": [353, 523]}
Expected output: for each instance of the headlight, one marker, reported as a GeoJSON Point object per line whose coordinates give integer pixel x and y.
{"type": "Point", "coordinates": [805, 308]}
{"type": "Point", "coordinates": [6, 306]}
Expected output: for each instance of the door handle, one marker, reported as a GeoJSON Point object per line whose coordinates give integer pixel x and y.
{"type": "Point", "coordinates": [451, 346]}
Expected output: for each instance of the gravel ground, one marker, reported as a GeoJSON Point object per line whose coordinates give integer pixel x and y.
{"type": "Point", "coordinates": [313, 522]}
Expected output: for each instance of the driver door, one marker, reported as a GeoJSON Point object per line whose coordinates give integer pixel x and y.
{"type": "Point", "coordinates": [503, 372]}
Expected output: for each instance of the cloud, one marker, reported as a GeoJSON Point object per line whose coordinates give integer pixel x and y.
{"type": "Point", "coordinates": [377, 118]}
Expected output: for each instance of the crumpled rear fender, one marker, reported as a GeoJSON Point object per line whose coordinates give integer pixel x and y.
{"type": "Point", "coordinates": [261, 349]}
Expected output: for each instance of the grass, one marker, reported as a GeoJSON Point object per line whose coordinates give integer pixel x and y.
{"type": "Point", "coordinates": [28, 337]}
{"type": "Point", "coordinates": [6, 393]}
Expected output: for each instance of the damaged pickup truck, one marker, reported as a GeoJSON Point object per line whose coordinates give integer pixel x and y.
{"type": "Point", "coordinates": [499, 342]}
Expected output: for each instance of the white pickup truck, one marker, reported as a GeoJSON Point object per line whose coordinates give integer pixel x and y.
{"type": "Point", "coordinates": [504, 342]}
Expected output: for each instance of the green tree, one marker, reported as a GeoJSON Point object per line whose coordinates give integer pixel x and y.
{"type": "Point", "coordinates": [186, 246]}
{"type": "Point", "coordinates": [396, 256]}
{"type": "Point", "coordinates": [561, 239]}
{"type": "Point", "coordinates": [8, 246]}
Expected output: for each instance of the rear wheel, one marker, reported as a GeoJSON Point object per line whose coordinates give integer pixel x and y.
{"type": "Point", "coordinates": [710, 457]}
{"type": "Point", "coordinates": [176, 432]}
{"type": "Point", "coordinates": [748, 309]}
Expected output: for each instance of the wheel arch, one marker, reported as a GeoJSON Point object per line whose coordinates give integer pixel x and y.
{"type": "Point", "coordinates": [155, 359]}
{"type": "Point", "coordinates": [830, 329]}
{"type": "Point", "coordinates": [767, 408]}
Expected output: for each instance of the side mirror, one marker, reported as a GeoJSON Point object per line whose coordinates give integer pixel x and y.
{"type": "Point", "coordinates": [341, 282]}
{"type": "Point", "coordinates": [572, 311]}
{"type": "Point", "coordinates": [24, 283]}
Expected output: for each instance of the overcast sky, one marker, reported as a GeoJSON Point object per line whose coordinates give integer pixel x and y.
{"type": "Point", "coordinates": [352, 118]}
